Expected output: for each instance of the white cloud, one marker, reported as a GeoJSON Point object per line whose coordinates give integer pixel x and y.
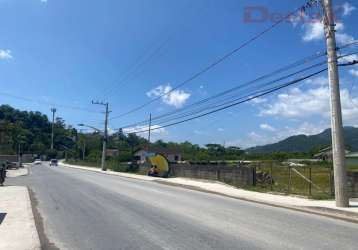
{"type": "Point", "coordinates": [5, 54]}
{"type": "Point", "coordinates": [298, 103]}
{"type": "Point", "coordinates": [157, 131]}
{"type": "Point", "coordinates": [351, 58]}
{"type": "Point", "coordinates": [43, 1]}
{"type": "Point", "coordinates": [267, 127]}
{"type": "Point", "coordinates": [176, 98]}
{"type": "Point", "coordinates": [319, 81]}
{"type": "Point", "coordinates": [347, 9]}
{"type": "Point", "coordinates": [311, 102]}
{"type": "Point", "coordinates": [313, 31]}
{"type": "Point", "coordinates": [221, 129]}
{"type": "Point", "coordinates": [258, 100]}
{"type": "Point", "coordinates": [343, 38]}
{"type": "Point", "coordinates": [199, 132]}
{"type": "Point", "coordinates": [354, 72]}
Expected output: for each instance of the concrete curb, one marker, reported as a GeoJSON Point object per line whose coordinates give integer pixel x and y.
{"type": "Point", "coordinates": [18, 230]}
{"type": "Point", "coordinates": [317, 210]}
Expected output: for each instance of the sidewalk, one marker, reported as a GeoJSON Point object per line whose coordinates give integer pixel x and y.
{"type": "Point", "coordinates": [17, 225]}
{"type": "Point", "coordinates": [16, 172]}
{"type": "Point", "coordinates": [322, 207]}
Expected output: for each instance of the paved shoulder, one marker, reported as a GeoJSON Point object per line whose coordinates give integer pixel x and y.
{"type": "Point", "coordinates": [17, 225]}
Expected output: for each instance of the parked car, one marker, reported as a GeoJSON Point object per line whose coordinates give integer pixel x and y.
{"type": "Point", "coordinates": [53, 162]}
{"type": "Point", "coordinates": [37, 162]}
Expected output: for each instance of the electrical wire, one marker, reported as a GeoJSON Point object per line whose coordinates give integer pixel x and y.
{"type": "Point", "coordinates": [278, 71]}
{"type": "Point", "coordinates": [249, 98]}
{"type": "Point", "coordinates": [46, 103]}
{"type": "Point", "coordinates": [308, 4]}
{"type": "Point", "coordinates": [234, 96]}
{"type": "Point", "coordinates": [266, 92]}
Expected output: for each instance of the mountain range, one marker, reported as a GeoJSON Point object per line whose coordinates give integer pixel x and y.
{"type": "Point", "coordinates": [305, 143]}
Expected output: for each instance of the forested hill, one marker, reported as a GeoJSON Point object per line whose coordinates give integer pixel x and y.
{"type": "Point", "coordinates": [32, 130]}
{"type": "Point", "coordinates": [304, 143]}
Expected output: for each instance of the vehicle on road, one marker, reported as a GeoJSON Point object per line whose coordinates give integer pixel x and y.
{"type": "Point", "coordinates": [37, 162]}
{"type": "Point", "coordinates": [54, 162]}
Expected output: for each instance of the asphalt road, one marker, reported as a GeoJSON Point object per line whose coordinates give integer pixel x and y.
{"type": "Point", "coordinates": [87, 210]}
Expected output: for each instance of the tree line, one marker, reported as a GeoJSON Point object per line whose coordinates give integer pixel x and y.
{"type": "Point", "coordinates": [31, 132]}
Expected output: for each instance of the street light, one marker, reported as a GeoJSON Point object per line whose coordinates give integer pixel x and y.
{"type": "Point", "coordinates": [103, 161]}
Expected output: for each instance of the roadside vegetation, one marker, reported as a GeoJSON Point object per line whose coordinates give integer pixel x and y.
{"type": "Point", "coordinates": [31, 131]}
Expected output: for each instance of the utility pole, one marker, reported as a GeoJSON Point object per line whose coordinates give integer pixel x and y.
{"type": "Point", "coordinates": [338, 148]}
{"type": "Point", "coordinates": [83, 145]}
{"type": "Point", "coordinates": [105, 136]}
{"type": "Point", "coordinates": [149, 131]}
{"type": "Point", "coordinates": [84, 149]}
{"type": "Point", "coordinates": [53, 110]}
{"type": "Point", "coordinates": [19, 154]}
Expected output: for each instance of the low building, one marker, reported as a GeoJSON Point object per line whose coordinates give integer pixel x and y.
{"type": "Point", "coordinates": [10, 158]}
{"type": "Point", "coordinates": [326, 154]}
{"type": "Point", "coordinates": [171, 155]}
{"type": "Point", "coordinates": [112, 152]}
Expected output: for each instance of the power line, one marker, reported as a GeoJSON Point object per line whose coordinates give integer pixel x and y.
{"type": "Point", "coordinates": [47, 103]}
{"type": "Point", "coordinates": [266, 92]}
{"type": "Point", "coordinates": [234, 96]}
{"type": "Point", "coordinates": [252, 97]}
{"type": "Point", "coordinates": [305, 60]}
{"type": "Point", "coordinates": [134, 68]}
{"type": "Point", "coordinates": [138, 65]}
{"type": "Point", "coordinates": [308, 4]}
{"type": "Point", "coordinates": [280, 70]}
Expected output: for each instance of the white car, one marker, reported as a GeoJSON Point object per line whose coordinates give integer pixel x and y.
{"type": "Point", "coordinates": [37, 162]}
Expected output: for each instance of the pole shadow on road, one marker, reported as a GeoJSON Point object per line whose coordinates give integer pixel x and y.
{"type": "Point", "coordinates": [2, 217]}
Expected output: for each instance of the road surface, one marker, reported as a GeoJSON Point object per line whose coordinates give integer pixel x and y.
{"type": "Point", "coordinates": [87, 210]}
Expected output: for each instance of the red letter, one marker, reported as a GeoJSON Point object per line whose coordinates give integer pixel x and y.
{"type": "Point", "coordinates": [255, 14]}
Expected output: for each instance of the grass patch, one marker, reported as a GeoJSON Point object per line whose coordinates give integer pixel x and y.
{"type": "Point", "coordinates": [296, 181]}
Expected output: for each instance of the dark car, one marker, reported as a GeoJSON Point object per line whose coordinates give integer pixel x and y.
{"type": "Point", "coordinates": [53, 162]}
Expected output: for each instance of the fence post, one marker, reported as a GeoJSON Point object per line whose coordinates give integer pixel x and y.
{"type": "Point", "coordinates": [310, 183]}
{"type": "Point", "coordinates": [289, 180]}
{"type": "Point", "coordinates": [331, 182]}
{"type": "Point", "coordinates": [271, 176]}
{"type": "Point", "coordinates": [254, 175]}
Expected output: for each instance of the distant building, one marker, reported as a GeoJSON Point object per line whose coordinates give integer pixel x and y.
{"type": "Point", "coordinates": [10, 158]}
{"type": "Point", "coordinates": [171, 155]}
{"type": "Point", "coordinates": [326, 154]}
{"type": "Point", "coordinates": [112, 152]}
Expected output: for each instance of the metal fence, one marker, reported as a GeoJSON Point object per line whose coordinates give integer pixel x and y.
{"type": "Point", "coordinates": [311, 181]}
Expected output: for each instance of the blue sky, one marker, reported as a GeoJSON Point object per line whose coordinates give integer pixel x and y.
{"type": "Point", "coordinates": [66, 53]}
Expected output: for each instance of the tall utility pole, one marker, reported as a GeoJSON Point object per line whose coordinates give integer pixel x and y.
{"type": "Point", "coordinates": [105, 136]}
{"type": "Point", "coordinates": [83, 145]}
{"type": "Point", "coordinates": [149, 130]}
{"type": "Point", "coordinates": [84, 149]}
{"type": "Point", "coordinates": [338, 148]}
{"type": "Point", "coordinates": [53, 110]}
